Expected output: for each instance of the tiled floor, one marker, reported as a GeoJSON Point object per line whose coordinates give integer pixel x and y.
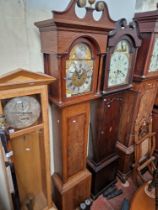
{"type": "Point", "coordinates": [102, 203]}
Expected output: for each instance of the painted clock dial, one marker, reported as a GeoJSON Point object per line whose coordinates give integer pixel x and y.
{"type": "Point", "coordinates": [119, 64]}
{"type": "Point", "coordinates": [79, 70]}
{"type": "Point", "coordinates": [22, 112]}
{"type": "Point", "coordinates": [154, 58]}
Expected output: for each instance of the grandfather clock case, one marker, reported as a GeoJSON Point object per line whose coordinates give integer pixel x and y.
{"type": "Point", "coordinates": [144, 86]}
{"type": "Point", "coordinates": [73, 51]}
{"type": "Point", "coordinates": [24, 103]}
{"type": "Point", "coordinates": [106, 112]}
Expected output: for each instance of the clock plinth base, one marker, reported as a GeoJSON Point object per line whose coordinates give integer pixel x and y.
{"type": "Point", "coordinates": [69, 195]}
{"type": "Point", "coordinates": [103, 174]}
{"type": "Point", "coordinates": [126, 155]}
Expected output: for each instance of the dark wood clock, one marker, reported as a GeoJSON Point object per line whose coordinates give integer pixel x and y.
{"type": "Point", "coordinates": [123, 44]}
{"type": "Point", "coordinates": [106, 112]}
{"type": "Point", "coordinates": [73, 50]}
{"type": "Point", "coordinates": [147, 62]}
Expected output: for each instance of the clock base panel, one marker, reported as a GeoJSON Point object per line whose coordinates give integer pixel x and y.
{"type": "Point", "coordinates": [69, 195]}
{"type": "Point", "coordinates": [103, 174]}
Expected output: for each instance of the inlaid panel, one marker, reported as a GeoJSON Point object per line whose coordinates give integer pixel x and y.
{"type": "Point", "coordinates": [76, 134]}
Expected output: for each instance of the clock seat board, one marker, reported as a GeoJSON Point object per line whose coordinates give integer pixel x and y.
{"type": "Point", "coordinates": [23, 94]}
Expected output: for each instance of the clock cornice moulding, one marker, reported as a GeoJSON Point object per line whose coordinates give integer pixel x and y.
{"type": "Point", "coordinates": [20, 77]}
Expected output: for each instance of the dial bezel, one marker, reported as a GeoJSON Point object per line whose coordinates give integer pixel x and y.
{"type": "Point", "coordinates": [111, 50]}
{"type": "Point", "coordinates": [93, 46]}
{"type": "Point", "coordinates": [22, 113]}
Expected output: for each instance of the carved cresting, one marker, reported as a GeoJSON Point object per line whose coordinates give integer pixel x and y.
{"type": "Point", "coordinates": [88, 19]}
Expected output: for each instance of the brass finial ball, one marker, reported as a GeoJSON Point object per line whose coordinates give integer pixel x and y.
{"type": "Point", "coordinates": [81, 3]}
{"type": "Point", "coordinates": [100, 6]}
{"type": "Point", "coordinates": [91, 1]}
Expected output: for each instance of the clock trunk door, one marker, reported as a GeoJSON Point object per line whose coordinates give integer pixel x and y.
{"type": "Point", "coordinates": [105, 128]}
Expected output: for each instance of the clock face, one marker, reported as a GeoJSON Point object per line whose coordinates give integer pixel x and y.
{"type": "Point", "coordinates": [22, 112]}
{"type": "Point", "coordinates": [119, 64]}
{"type": "Point", "coordinates": [79, 70]}
{"type": "Point", "coordinates": [154, 58]}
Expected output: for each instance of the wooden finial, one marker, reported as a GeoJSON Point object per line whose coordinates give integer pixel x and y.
{"type": "Point", "coordinates": [91, 2]}
{"type": "Point", "coordinates": [81, 3]}
{"type": "Point", "coordinates": [100, 6]}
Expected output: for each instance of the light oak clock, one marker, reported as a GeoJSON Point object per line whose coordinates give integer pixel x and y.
{"type": "Point", "coordinates": [123, 44]}
{"type": "Point", "coordinates": [24, 102]}
{"type": "Point", "coordinates": [73, 50]}
{"type": "Point", "coordinates": [147, 61]}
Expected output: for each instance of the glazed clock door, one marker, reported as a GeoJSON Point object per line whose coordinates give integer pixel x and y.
{"type": "Point", "coordinates": [79, 70]}
{"type": "Point", "coordinates": [120, 59]}
{"type": "Point", "coordinates": [119, 65]}
{"type": "Point", "coordinates": [22, 112]}
{"type": "Point", "coordinates": [153, 65]}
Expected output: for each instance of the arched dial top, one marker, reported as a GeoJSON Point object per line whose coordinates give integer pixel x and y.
{"type": "Point", "coordinates": [79, 70]}
{"type": "Point", "coordinates": [119, 64]}
{"type": "Point", "coordinates": [154, 58]}
{"type": "Point", "coordinates": [22, 112]}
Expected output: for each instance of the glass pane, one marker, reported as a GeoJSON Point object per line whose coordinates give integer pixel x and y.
{"type": "Point", "coordinates": [154, 58]}
{"type": "Point", "coordinates": [79, 70]}
{"type": "Point", "coordinates": [119, 64]}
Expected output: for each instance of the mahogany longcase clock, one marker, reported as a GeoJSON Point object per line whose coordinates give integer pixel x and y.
{"type": "Point", "coordinates": [73, 51]}
{"type": "Point", "coordinates": [147, 62]}
{"type": "Point", "coordinates": [103, 160]}
{"type": "Point", "coordinates": [144, 87]}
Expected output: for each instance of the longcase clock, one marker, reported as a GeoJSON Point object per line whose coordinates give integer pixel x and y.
{"type": "Point", "coordinates": [73, 51]}
{"type": "Point", "coordinates": [144, 87]}
{"type": "Point", "coordinates": [106, 112]}
{"type": "Point", "coordinates": [24, 103]}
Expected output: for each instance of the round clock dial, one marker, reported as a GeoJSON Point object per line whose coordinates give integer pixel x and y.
{"type": "Point", "coordinates": [22, 112]}
{"type": "Point", "coordinates": [119, 65]}
{"type": "Point", "coordinates": [154, 58]}
{"type": "Point", "coordinates": [79, 70]}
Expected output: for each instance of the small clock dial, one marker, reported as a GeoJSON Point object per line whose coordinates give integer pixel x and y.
{"type": "Point", "coordinates": [154, 58]}
{"type": "Point", "coordinates": [119, 65]}
{"type": "Point", "coordinates": [79, 71]}
{"type": "Point", "coordinates": [22, 112]}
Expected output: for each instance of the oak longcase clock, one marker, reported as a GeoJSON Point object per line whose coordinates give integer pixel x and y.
{"type": "Point", "coordinates": [73, 50]}
{"type": "Point", "coordinates": [24, 103]}
{"type": "Point", "coordinates": [147, 60]}
{"type": "Point", "coordinates": [120, 59]}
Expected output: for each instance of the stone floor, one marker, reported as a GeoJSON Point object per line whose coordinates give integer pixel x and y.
{"type": "Point", "coordinates": [102, 203]}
